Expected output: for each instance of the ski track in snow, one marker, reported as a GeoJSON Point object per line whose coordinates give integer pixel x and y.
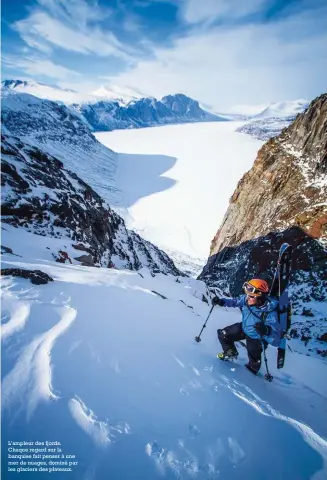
{"type": "Point", "coordinates": [128, 376]}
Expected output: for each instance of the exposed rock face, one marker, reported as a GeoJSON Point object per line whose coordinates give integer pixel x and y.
{"type": "Point", "coordinates": [36, 276]}
{"type": "Point", "coordinates": [41, 196]}
{"type": "Point", "coordinates": [264, 129]}
{"type": "Point", "coordinates": [282, 198]}
{"type": "Point", "coordinates": [144, 112]}
{"type": "Point", "coordinates": [125, 109]}
{"type": "Point", "coordinates": [286, 185]}
{"type": "Point", "coordinates": [59, 131]}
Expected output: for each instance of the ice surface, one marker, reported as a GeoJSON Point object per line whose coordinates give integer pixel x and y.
{"type": "Point", "coordinates": [177, 180]}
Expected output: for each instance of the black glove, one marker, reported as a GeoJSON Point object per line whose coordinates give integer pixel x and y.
{"type": "Point", "coordinates": [217, 301]}
{"type": "Point", "coordinates": [262, 329]}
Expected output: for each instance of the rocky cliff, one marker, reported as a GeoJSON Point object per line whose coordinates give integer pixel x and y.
{"type": "Point", "coordinates": [107, 115]}
{"type": "Point", "coordinates": [59, 131]}
{"type": "Point", "coordinates": [282, 198]}
{"type": "Point", "coordinates": [44, 198]}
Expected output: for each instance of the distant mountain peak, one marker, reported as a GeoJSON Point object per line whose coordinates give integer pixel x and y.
{"type": "Point", "coordinates": [289, 108]}
{"type": "Point", "coordinates": [10, 83]}
{"type": "Point", "coordinates": [117, 107]}
{"type": "Point", "coordinates": [124, 94]}
{"type": "Point", "coordinates": [44, 91]}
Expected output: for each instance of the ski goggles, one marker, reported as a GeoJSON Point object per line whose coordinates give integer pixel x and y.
{"type": "Point", "coordinates": [251, 291]}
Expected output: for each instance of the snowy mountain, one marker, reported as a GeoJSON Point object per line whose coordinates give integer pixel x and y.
{"type": "Point", "coordinates": [118, 93]}
{"type": "Point", "coordinates": [43, 197]}
{"type": "Point", "coordinates": [48, 92]}
{"type": "Point", "coordinates": [284, 109]}
{"type": "Point", "coordinates": [266, 128]}
{"type": "Point", "coordinates": [114, 107]}
{"type": "Point", "coordinates": [144, 112]}
{"type": "Point", "coordinates": [101, 375]}
{"type": "Point", "coordinates": [283, 198]}
{"type": "Point", "coordinates": [60, 131]}
{"type": "Point", "coordinates": [273, 119]}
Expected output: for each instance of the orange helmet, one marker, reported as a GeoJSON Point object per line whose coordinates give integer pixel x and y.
{"type": "Point", "coordinates": [256, 287]}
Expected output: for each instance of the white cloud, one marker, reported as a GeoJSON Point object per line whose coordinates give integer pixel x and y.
{"type": "Point", "coordinates": [196, 11]}
{"type": "Point", "coordinates": [233, 64]}
{"type": "Point", "coordinates": [77, 12]}
{"type": "Point", "coordinates": [70, 26]}
{"type": "Point", "coordinates": [239, 65]}
{"type": "Point", "coordinates": [35, 66]}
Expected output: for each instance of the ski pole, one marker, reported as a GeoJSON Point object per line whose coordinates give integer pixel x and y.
{"type": "Point", "coordinates": [268, 376]}
{"type": "Point", "coordinates": [198, 337]}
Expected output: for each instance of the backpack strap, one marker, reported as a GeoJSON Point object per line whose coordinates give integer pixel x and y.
{"type": "Point", "coordinates": [261, 317]}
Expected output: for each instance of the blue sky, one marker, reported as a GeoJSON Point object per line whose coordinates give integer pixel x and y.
{"type": "Point", "coordinates": [229, 54]}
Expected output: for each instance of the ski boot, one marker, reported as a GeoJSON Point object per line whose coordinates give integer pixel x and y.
{"type": "Point", "coordinates": [230, 354]}
{"type": "Point", "coordinates": [251, 369]}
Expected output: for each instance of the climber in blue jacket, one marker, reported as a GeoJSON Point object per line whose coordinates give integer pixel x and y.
{"type": "Point", "coordinates": [259, 327]}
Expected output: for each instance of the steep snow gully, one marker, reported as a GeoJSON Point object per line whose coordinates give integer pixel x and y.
{"type": "Point", "coordinates": [101, 363]}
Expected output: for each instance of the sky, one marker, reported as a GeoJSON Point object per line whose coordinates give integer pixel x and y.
{"type": "Point", "coordinates": [231, 55]}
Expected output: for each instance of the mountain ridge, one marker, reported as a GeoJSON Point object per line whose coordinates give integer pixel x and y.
{"type": "Point", "coordinates": [105, 114]}
{"type": "Point", "coordinates": [282, 198]}
{"type": "Point", "coordinates": [42, 197]}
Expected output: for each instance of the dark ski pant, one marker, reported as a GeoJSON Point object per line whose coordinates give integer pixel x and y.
{"type": "Point", "coordinates": [228, 335]}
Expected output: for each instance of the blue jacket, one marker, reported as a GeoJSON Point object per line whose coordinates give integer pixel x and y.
{"type": "Point", "coordinates": [252, 315]}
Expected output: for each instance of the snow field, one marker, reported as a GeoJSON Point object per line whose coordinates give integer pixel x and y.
{"type": "Point", "coordinates": [176, 180]}
{"type": "Point", "coordinates": [109, 368]}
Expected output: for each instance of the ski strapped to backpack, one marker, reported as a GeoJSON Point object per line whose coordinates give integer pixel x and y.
{"type": "Point", "coordinates": [279, 289]}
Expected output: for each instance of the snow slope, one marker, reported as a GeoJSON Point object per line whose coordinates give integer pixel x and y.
{"type": "Point", "coordinates": [122, 94]}
{"type": "Point", "coordinates": [39, 195]}
{"type": "Point", "coordinates": [176, 189]}
{"type": "Point", "coordinates": [266, 128]}
{"type": "Point", "coordinates": [283, 109]}
{"type": "Point", "coordinates": [98, 361]}
{"type": "Point", "coordinates": [273, 119]}
{"type": "Point", "coordinates": [61, 132]}
{"type": "Point", "coordinates": [48, 92]}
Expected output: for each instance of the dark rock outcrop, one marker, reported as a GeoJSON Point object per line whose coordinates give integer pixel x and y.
{"type": "Point", "coordinates": [36, 276]}
{"type": "Point", "coordinates": [41, 196]}
{"type": "Point", "coordinates": [59, 132]}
